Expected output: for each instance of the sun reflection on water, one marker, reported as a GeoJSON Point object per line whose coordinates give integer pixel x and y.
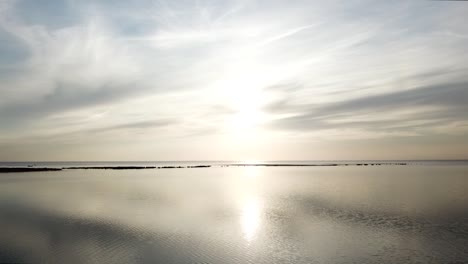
{"type": "Point", "coordinates": [250, 204]}
{"type": "Point", "coordinates": [251, 171]}
{"type": "Point", "coordinates": [250, 218]}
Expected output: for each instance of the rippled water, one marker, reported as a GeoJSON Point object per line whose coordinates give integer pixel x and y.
{"type": "Point", "coordinates": [388, 214]}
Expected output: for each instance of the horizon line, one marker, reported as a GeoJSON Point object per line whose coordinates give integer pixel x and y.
{"type": "Point", "coordinates": [246, 160]}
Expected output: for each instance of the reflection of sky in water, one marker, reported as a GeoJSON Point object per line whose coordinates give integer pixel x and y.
{"type": "Point", "coordinates": [236, 215]}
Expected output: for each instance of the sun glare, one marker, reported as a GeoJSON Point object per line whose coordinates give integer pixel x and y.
{"type": "Point", "coordinates": [250, 219]}
{"type": "Point", "coordinates": [246, 99]}
{"type": "Point", "coordinates": [250, 203]}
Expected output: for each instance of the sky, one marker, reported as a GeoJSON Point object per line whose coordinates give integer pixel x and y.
{"type": "Point", "coordinates": [233, 80]}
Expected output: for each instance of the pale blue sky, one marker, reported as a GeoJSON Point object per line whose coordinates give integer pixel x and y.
{"type": "Point", "coordinates": [221, 80]}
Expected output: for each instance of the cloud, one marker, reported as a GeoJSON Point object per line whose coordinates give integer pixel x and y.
{"type": "Point", "coordinates": [420, 109]}
{"type": "Point", "coordinates": [66, 68]}
{"type": "Point", "coordinates": [145, 125]}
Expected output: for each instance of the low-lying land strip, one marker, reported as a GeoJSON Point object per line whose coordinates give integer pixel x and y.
{"type": "Point", "coordinates": [32, 169]}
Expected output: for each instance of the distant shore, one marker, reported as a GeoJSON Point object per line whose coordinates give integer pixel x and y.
{"type": "Point", "coordinates": [33, 169]}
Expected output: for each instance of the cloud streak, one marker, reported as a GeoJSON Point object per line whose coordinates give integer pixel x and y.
{"type": "Point", "coordinates": [411, 110]}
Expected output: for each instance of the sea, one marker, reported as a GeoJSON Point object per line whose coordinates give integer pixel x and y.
{"type": "Point", "coordinates": [398, 211]}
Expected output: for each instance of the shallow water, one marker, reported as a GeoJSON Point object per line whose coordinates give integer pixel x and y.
{"type": "Point", "coordinates": [388, 214]}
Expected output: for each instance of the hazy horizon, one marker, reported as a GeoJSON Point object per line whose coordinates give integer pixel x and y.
{"type": "Point", "coordinates": [217, 161]}
{"type": "Point", "coordinates": [233, 80]}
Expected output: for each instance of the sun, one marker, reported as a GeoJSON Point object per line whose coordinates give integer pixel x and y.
{"type": "Point", "coordinates": [245, 96]}
{"type": "Point", "coordinates": [241, 88]}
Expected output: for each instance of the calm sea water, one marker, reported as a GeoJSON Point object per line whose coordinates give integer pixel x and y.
{"type": "Point", "coordinates": [381, 214]}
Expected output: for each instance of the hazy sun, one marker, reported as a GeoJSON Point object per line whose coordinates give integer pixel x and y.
{"type": "Point", "coordinates": [241, 88]}
{"type": "Point", "coordinates": [245, 98]}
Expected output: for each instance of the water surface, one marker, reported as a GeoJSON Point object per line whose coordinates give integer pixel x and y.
{"type": "Point", "coordinates": [385, 214]}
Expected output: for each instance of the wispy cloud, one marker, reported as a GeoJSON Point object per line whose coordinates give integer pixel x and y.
{"type": "Point", "coordinates": [416, 111]}
{"type": "Point", "coordinates": [286, 34]}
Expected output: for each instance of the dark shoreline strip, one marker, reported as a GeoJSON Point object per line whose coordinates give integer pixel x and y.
{"type": "Point", "coordinates": [29, 169]}
{"type": "Point", "coordinates": [32, 169]}
{"type": "Point", "coordinates": [110, 168]}
{"type": "Point", "coordinates": [281, 165]}
{"type": "Point", "coordinates": [314, 165]}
